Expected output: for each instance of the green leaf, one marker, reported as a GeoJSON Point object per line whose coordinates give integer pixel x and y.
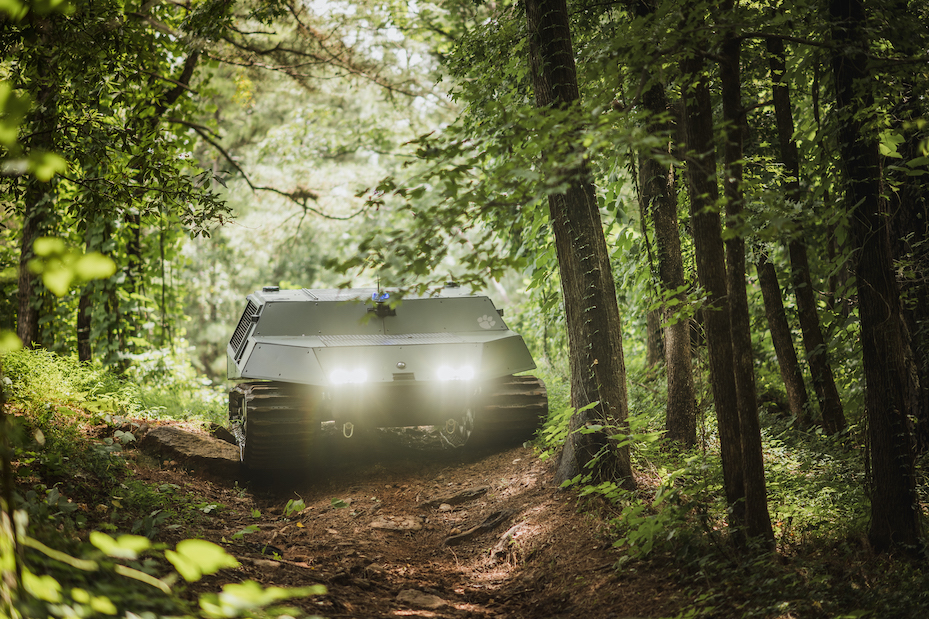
{"type": "Point", "coordinates": [94, 265]}
{"type": "Point", "coordinates": [46, 165]}
{"type": "Point", "coordinates": [238, 598]}
{"type": "Point", "coordinates": [9, 341]}
{"type": "Point", "coordinates": [42, 587]}
{"type": "Point", "coordinates": [13, 106]}
{"type": "Point", "coordinates": [339, 503]}
{"type": "Point", "coordinates": [57, 279]}
{"type": "Point", "coordinates": [125, 547]}
{"type": "Point", "coordinates": [60, 265]}
{"type": "Point", "coordinates": [252, 528]}
{"type": "Point", "coordinates": [195, 558]}
{"type": "Point", "coordinates": [14, 8]}
{"type": "Point", "coordinates": [48, 246]}
{"type": "Point", "coordinates": [294, 507]}
{"type": "Point", "coordinates": [889, 143]}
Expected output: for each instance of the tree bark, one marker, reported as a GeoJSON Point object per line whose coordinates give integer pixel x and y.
{"type": "Point", "coordinates": [830, 405]}
{"type": "Point", "coordinates": [27, 316]}
{"type": "Point", "coordinates": [895, 516]}
{"type": "Point", "coordinates": [711, 271]}
{"type": "Point", "coordinates": [758, 520]}
{"type": "Point", "coordinates": [817, 353]}
{"type": "Point", "coordinates": [83, 326]}
{"type": "Point", "coordinates": [910, 224]}
{"type": "Point", "coordinates": [598, 373]}
{"type": "Point", "coordinates": [654, 342]}
{"type": "Point", "coordinates": [38, 198]}
{"type": "Point", "coordinates": [791, 373]}
{"type": "Point", "coordinates": [659, 197]}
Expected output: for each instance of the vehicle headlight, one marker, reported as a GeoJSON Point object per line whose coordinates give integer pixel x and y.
{"type": "Point", "coordinates": [447, 372]}
{"type": "Point", "coordinates": [344, 377]}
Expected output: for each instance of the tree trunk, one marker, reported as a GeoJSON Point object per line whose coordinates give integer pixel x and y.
{"type": "Point", "coordinates": [895, 516]}
{"type": "Point", "coordinates": [38, 198]}
{"type": "Point", "coordinates": [658, 194]}
{"type": "Point", "coordinates": [791, 373]}
{"type": "Point", "coordinates": [910, 225]}
{"type": "Point", "coordinates": [654, 351]}
{"type": "Point", "coordinates": [598, 373]}
{"type": "Point", "coordinates": [711, 270]}
{"type": "Point", "coordinates": [84, 350]}
{"type": "Point", "coordinates": [830, 405]}
{"type": "Point", "coordinates": [27, 316]}
{"type": "Point", "coordinates": [758, 520]}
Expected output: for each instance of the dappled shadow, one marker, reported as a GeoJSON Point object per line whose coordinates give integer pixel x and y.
{"type": "Point", "coordinates": [375, 451]}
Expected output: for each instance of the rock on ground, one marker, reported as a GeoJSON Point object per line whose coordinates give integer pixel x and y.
{"type": "Point", "coordinates": [418, 599]}
{"type": "Point", "coordinates": [196, 452]}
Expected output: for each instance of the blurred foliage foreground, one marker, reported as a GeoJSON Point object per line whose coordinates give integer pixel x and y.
{"type": "Point", "coordinates": [89, 536]}
{"type": "Point", "coordinates": [79, 536]}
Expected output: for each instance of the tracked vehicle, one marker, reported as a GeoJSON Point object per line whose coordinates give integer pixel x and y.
{"type": "Point", "coordinates": [351, 356]}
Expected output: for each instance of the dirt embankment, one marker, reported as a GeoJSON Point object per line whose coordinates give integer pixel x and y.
{"type": "Point", "coordinates": [395, 526]}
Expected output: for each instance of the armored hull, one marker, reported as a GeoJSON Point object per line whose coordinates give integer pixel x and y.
{"type": "Point", "coordinates": [352, 356]}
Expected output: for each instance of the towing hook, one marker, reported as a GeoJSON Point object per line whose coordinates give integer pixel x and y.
{"type": "Point", "coordinates": [348, 429]}
{"type": "Point", "coordinates": [450, 426]}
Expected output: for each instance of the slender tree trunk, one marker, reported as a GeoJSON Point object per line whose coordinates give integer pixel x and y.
{"type": "Point", "coordinates": [895, 516]}
{"type": "Point", "coordinates": [135, 260]}
{"type": "Point", "coordinates": [594, 329]}
{"type": "Point", "coordinates": [830, 404]}
{"type": "Point", "coordinates": [660, 199]}
{"type": "Point", "coordinates": [791, 373]}
{"type": "Point", "coordinates": [27, 316]}
{"type": "Point", "coordinates": [654, 342]}
{"type": "Point", "coordinates": [84, 350]}
{"type": "Point", "coordinates": [38, 198]}
{"type": "Point", "coordinates": [711, 270]}
{"type": "Point", "coordinates": [758, 520]}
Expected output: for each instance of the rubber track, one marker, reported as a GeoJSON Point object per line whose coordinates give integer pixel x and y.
{"type": "Point", "coordinates": [511, 410]}
{"type": "Point", "coordinates": [279, 425]}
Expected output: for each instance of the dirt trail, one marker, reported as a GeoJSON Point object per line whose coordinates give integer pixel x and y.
{"type": "Point", "coordinates": [395, 528]}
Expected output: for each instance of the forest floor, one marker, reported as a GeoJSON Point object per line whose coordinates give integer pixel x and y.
{"type": "Point", "coordinates": [396, 526]}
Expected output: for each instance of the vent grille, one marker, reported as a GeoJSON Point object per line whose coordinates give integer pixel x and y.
{"type": "Point", "coordinates": [404, 376]}
{"type": "Point", "coordinates": [241, 331]}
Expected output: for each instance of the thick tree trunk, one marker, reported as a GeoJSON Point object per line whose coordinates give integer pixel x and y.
{"type": "Point", "coordinates": [758, 520]}
{"type": "Point", "coordinates": [791, 373]}
{"type": "Point", "coordinates": [910, 225]}
{"type": "Point", "coordinates": [711, 270]}
{"type": "Point", "coordinates": [659, 197]}
{"type": "Point", "coordinates": [895, 516]}
{"type": "Point", "coordinates": [594, 328]}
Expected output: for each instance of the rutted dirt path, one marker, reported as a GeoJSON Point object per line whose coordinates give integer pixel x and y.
{"type": "Point", "coordinates": [394, 528]}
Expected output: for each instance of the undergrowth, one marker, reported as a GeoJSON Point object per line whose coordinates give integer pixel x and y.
{"type": "Point", "coordinates": [676, 519]}
{"type": "Point", "coordinates": [173, 389]}
{"type": "Point", "coordinates": [93, 533]}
